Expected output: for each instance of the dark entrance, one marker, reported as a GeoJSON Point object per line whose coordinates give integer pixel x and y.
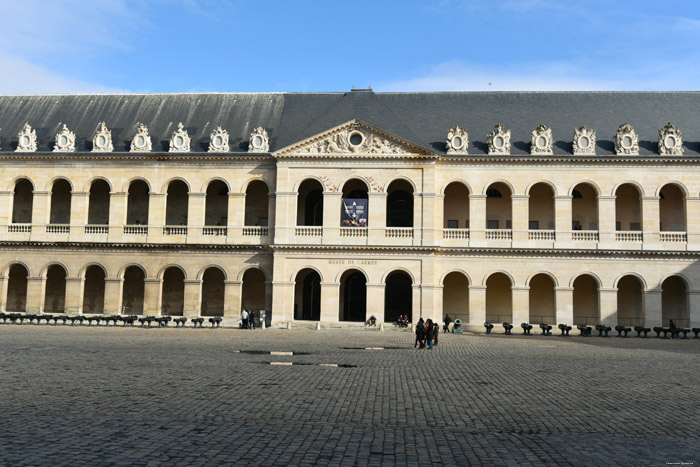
{"type": "Point", "coordinates": [307, 296]}
{"type": "Point", "coordinates": [398, 297]}
{"type": "Point", "coordinates": [354, 295]}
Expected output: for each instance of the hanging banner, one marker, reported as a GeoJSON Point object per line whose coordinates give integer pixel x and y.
{"type": "Point", "coordinates": [354, 212]}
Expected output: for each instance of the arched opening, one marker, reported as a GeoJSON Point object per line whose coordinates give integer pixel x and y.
{"type": "Point", "coordinates": [307, 295]}
{"type": "Point", "coordinates": [398, 296]}
{"type": "Point", "coordinates": [257, 200]}
{"type": "Point", "coordinates": [455, 296]}
{"type": "Point", "coordinates": [584, 208]}
{"type": "Point", "coordinates": [353, 295]}
{"type": "Point", "coordinates": [354, 209]}
{"type": "Point", "coordinates": [399, 204]}
{"type": "Point", "coordinates": [133, 291]}
{"type": "Point", "coordinates": [498, 206]}
{"type": "Point", "coordinates": [173, 302]}
{"type": "Point", "coordinates": [542, 300]}
{"type": "Point", "coordinates": [586, 301]}
{"type": "Point", "coordinates": [674, 302]}
{"type": "Point", "coordinates": [94, 290]}
{"type": "Point", "coordinates": [310, 203]}
{"type": "Point", "coordinates": [628, 208]}
{"type": "Point", "coordinates": [55, 296]}
{"type": "Point", "coordinates": [630, 301]}
{"type": "Point", "coordinates": [254, 291]}
{"type": "Point", "coordinates": [541, 207]}
{"type": "Point", "coordinates": [213, 292]}
{"type": "Point", "coordinates": [60, 202]}
{"type": "Point", "coordinates": [499, 298]}
{"type": "Point", "coordinates": [98, 210]}
{"type": "Point", "coordinates": [137, 203]}
{"type": "Point", "coordinates": [23, 202]}
{"type": "Point", "coordinates": [456, 206]}
{"type": "Point", "coordinates": [176, 204]}
{"type": "Point", "coordinates": [216, 210]}
{"type": "Point", "coordinates": [17, 288]}
{"type": "Point", "coordinates": [672, 209]}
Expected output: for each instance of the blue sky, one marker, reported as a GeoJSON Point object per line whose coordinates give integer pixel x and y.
{"type": "Point", "coordinates": [74, 46]}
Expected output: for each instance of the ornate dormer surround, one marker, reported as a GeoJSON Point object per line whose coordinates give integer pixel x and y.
{"type": "Point", "coordinates": [498, 141]}
{"type": "Point", "coordinates": [142, 140]}
{"type": "Point", "coordinates": [542, 142]}
{"type": "Point", "coordinates": [670, 141]}
{"type": "Point", "coordinates": [26, 139]}
{"type": "Point", "coordinates": [65, 140]}
{"type": "Point", "coordinates": [259, 140]}
{"type": "Point", "coordinates": [457, 140]}
{"type": "Point", "coordinates": [218, 141]}
{"type": "Point", "coordinates": [102, 140]}
{"type": "Point", "coordinates": [626, 140]}
{"type": "Point", "coordinates": [584, 141]}
{"type": "Point", "coordinates": [180, 140]}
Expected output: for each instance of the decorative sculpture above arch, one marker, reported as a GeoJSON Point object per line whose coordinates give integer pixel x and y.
{"type": "Point", "coordinates": [102, 140]}
{"type": "Point", "coordinates": [180, 140]}
{"type": "Point", "coordinates": [498, 141]}
{"type": "Point", "coordinates": [218, 141]}
{"type": "Point", "coordinates": [65, 140]}
{"type": "Point", "coordinates": [670, 141]}
{"type": "Point", "coordinates": [141, 141]}
{"type": "Point", "coordinates": [457, 140]}
{"type": "Point", "coordinates": [626, 140]}
{"type": "Point", "coordinates": [584, 141]}
{"type": "Point", "coordinates": [26, 139]}
{"type": "Point", "coordinates": [542, 142]}
{"type": "Point", "coordinates": [259, 140]}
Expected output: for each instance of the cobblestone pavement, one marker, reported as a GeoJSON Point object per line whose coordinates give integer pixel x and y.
{"type": "Point", "coordinates": [118, 396]}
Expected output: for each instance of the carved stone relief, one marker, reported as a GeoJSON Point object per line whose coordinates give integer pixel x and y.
{"type": "Point", "coordinates": [259, 141]}
{"type": "Point", "coordinates": [65, 140]}
{"type": "Point", "coordinates": [26, 139]}
{"type": "Point", "coordinates": [670, 141]}
{"type": "Point", "coordinates": [457, 140]}
{"type": "Point", "coordinates": [180, 140]}
{"type": "Point", "coordinates": [498, 141]}
{"type": "Point", "coordinates": [102, 140]}
{"type": "Point", "coordinates": [141, 141]}
{"type": "Point", "coordinates": [584, 141]}
{"type": "Point", "coordinates": [542, 142]}
{"type": "Point", "coordinates": [626, 140]}
{"type": "Point", "coordinates": [218, 141]}
{"type": "Point", "coordinates": [353, 140]}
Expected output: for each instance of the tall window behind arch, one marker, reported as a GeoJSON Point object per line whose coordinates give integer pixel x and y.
{"type": "Point", "coordinates": [23, 202]}
{"type": "Point", "coordinates": [137, 203]}
{"type": "Point", "coordinates": [98, 208]}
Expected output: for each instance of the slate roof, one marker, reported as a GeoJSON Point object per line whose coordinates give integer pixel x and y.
{"type": "Point", "coordinates": [422, 118]}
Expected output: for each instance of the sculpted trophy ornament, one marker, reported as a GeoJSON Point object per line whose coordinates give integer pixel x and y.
{"type": "Point", "coordinates": [259, 141]}
{"type": "Point", "coordinates": [141, 141]}
{"type": "Point", "coordinates": [218, 141]}
{"type": "Point", "coordinates": [102, 141]}
{"type": "Point", "coordinates": [542, 141]}
{"type": "Point", "coordinates": [626, 140]}
{"type": "Point", "coordinates": [354, 140]}
{"type": "Point", "coordinates": [498, 141]}
{"type": "Point", "coordinates": [26, 139]}
{"type": "Point", "coordinates": [180, 140]}
{"type": "Point", "coordinates": [584, 141]}
{"type": "Point", "coordinates": [65, 140]}
{"type": "Point", "coordinates": [670, 141]}
{"type": "Point", "coordinates": [457, 140]}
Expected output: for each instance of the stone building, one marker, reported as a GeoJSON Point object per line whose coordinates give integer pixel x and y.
{"type": "Point", "coordinates": [332, 207]}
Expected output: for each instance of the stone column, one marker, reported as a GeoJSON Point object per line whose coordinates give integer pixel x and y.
{"type": "Point", "coordinates": [520, 205]}
{"type": "Point", "coordinates": [330, 292]}
{"type": "Point", "coordinates": [376, 222]}
{"type": "Point", "coordinates": [282, 301]}
{"type": "Point", "coordinates": [4, 281]}
{"type": "Point", "coordinates": [439, 219]}
{"type": "Point", "coordinates": [693, 222]}
{"type": "Point", "coordinates": [6, 200]}
{"type": "Point", "coordinates": [196, 210]}
{"type": "Point", "coordinates": [152, 297]}
{"type": "Point", "coordinates": [156, 215]}
{"type": "Point", "coordinates": [36, 294]}
{"type": "Point", "coordinates": [417, 310]}
{"type": "Point", "coordinates": [477, 305]}
{"type": "Point", "coordinates": [193, 298]}
{"type": "Point", "coordinates": [652, 307]}
{"type": "Point", "coordinates": [431, 308]}
{"type": "Point", "coordinates": [286, 216]}
{"type": "Point", "coordinates": [432, 213]}
{"type": "Point", "coordinates": [118, 204]}
{"type": "Point", "coordinates": [562, 222]}
{"type": "Point", "coordinates": [272, 201]}
{"type": "Point", "coordinates": [113, 295]}
{"type": "Point", "coordinates": [606, 222]}
{"type": "Point", "coordinates": [694, 308]}
{"type": "Point", "coordinates": [608, 306]}
{"type": "Point", "coordinates": [417, 219]}
{"type": "Point", "coordinates": [564, 298]}
{"type": "Point", "coordinates": [41, 208]}
{"type": "Point", "coordinates": [438, 311]}
{"type": "Point", "coordinates": [477, 221]}
{"type": "Point", "coordinates": [331, 217]}
{"type": "Point", "coordinates": [80, 202]}
{"type": "Point", "coordinates": [233, 291]}
{"type": "Point", "coordinates": [650, 223]}
{"type": "Point", "coordinates": [375, 301]}
{"type": "Point", "coordinates": [75, 287]}
{"type": "Point", "coordinates": [521, 304]}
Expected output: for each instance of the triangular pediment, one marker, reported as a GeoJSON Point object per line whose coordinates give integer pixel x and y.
{"type": "Point", "coordinates": [355, 138]}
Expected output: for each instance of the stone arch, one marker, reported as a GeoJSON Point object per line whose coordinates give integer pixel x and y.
{"type": "Point", "coordinates": [458, 270]}
{"type": "Point", "coordinates": [541, 206]}
{"type": "Point", "coordinates": [388, 273]}
{"type": "Point", "coordinates": [133, 289]}
{"type": "Point", "coordinates": [46, 267]}
{"type": "Point", "coordinates": [542, 298]}
{"type": "Point", "coordinates": [499, 297]}
{"type": "Point", "coordinates": [673, 207]}
{"type": "Point", "coordinates": [301, 182]}
{"type": "Point", "coordinates": [589, 273]}
{"type": "Point", "coordinates": [22, 201]}
{"type": "Point", "coordinates": [551, 184]}
{"type": "Point", "coordinates": [352, 304]}
{"type": "Point", "coordinates": [541, 271]}
{"type": "Point", "coordinates": [50, 183]}
{"type": "Point", "coordinates": [17, 274]}
{"type": "Point", "coordinates": [586, 298]}
{"type": "Point", "coordinates": [585, 206]}
{"type": "Point", "coordinates": [212, 292]}
{"type": "Point", "coordinates": [400, 206]}
{"type": "Point", "coordinates": [61, 194]}
{"type": "Point", "coordinates": [456, 180]}
{"type": "Point", "coordinates": [138, 200]}
{"type": "Point", "coordinates": [255, 294]}
{"type": "Point", "coordinates": [94, 288]}
{"type": "Point", "coordinates": [637, 185]}
{"type": "Point", "coordinates": [55, 289]}
{"type": "Point", "coordinates": [244, 187]}
{"type": "Point", "coordinates": [177, 194]}
{"type": "Point", "coordinates": [307, 294]}
{"type": "Point", "coordinates": [166, 184]}
{"type": "Point", "coordinates": [168, 266]}
{"type": "Point", "coordinates": [296, 273]}
{"type": "Point", "coordinates": [81, 272]}
{"type": "Point", "coordinates": [628, 207]}
{"type": "Point", "coordinates": [385, 188]}
{"type": "Point", "coordinates": [678, 184]}
{"type": "Point", "coordinates": [257, 204]}
{"type": "Point", "coordinates": [123, 269]}
{"type": "Point", "coordinates": [205, 185]}
{"type": "Point", "coordinates": [173, 290]}
{"type": "Point", "coordinates": [675, 301]}
{"type": "Point", "coordinates": [18, 178]}
{"type": "Point", "coordinates": [456, 205]}
{"type": "Point", "coordinates": [630, 299]}
{"type": "Point", "coordinates": [499, 205]}
{"type": "Point", "coordinates": [6, 269]}
{"type": "Point", "coordinates": [127, 184]}
{"type": "Point", "coordinates": [499, 271]}
{"type": "Point", "coordinates": [99, 201]}
{"type": "Point", "coordinates": [362, 179]}
{"type": "Point", "coordinates": [637, 275]}
{"type": "Point", "coordinates": [310, 201]}
{"type": "Point", "coordinates": [593, 184]}
{"type": "Point", "coordinates": [200, 274]}
{"type": "Point", "coordinates": [242, 272]}
{"type": "Point", "coordinates": [216, 202]}
{"type": "Point", "coordinates": [357, 269]}
{"type": "Point", "coordinates": [88, 184]}
{"type": "Point", "coordinates": [455, 294]}
{"type": "Point", "coordinates": [682, 276]}
{"type": "Point", "coordinates": [398, 295]}
{"type": "Point", "coordinates": [500, 180]}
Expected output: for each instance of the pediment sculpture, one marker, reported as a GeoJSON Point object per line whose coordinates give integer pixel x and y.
{"type": "Point", "coordinates": [626, 140]}
{"type": "Point", "coordinates": [542, 141]}
{"type": "Point", "coordinates": [180, 140]}
{"type": "Point", "coordinates": [353, 140]}
{"type": "Point", "coordinates": [457, 140]}
{"type": "Point", "coordinates": [65, 140]}
{"type": "Point", "coordinates": [670, 141]}
{"type": "Point", "coordinates": [218, 141]}
{"type": "Point", "coordinates": [498, 141]}
{"type": "Point", "coordinates": [259, 140]}
{"type": "Point", "coordinates": [584, 141]}
{"type": "Point", "coordinates": [141, 141]}
{"type": "Point", "coordinates": [26, 139]}
{"type": "Point", "coordinates": [102, 140]}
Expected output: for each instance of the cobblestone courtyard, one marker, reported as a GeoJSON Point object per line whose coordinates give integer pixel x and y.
{"type": "Point", "coordinates": [105, 396]}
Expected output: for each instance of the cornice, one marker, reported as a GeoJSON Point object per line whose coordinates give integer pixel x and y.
{"type": "Point", "coordinates": [136, 156]}
{"type": "Point", "coordinates": [130, 246]}
{"type": "Point", "coordinates": [653, 159]}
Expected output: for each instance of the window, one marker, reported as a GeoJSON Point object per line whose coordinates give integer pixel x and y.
{"type": "Point", "coordinates": [618, 226]}
{"type": "Point", "coordinates": [635, 226]}
{"type": "Point", "coordinates": [575, 225]}
{"type": "Point", "coordinates": [534, 225]}
{"type": "Point", "coordinates": [492, 224]}
{"type": "Point", "coordinates": [452, 224]}
{"type": "Point", "coordinates": [508, 224]}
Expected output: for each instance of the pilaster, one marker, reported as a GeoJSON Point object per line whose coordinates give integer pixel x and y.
{"type": "Point", "coordinates": [152, 297]}
{"type": "Point", "coordinates": [564, 298]}
{"type": "Point", "coordinates": [117, 215]}
{"type": "Point", "coordinates": [606, 222]}
{"type": "Point", "coordinates": [193, 298]}
{"type": "Point", "coordinates": [563, 220]}
{"type": "Point", "coordinates": [79, 210]}
{"type": "Point", "coordinates": [36, 290]}
{"type": "Point", "coordinates": [477, 224]}
{"type": "Point", "coordinates": [41, 207]}
{"type": "Point", "coordinates": [156, 215]}
{"type": "Point", "coordinates": [285, 216]}
{"type": "Point", "coordinates": [196, 209]}
{"type": "Point", "coordinates": [74, 295]}
{"type": "Point", "coordinates": [233, 291]}
{"type": "Point", "coordinates": [376, 222]}
{"type": "Point", "coordinates": [4, 281]}
{"type": "Point", "coordinates": [652, 307]}
{"type": "Point", "coordinates": [608, 306]}
{"type": "Point", "coordinates": [6, 200]}
{"type": "Point", "coordinates": [694, 308]}
{"type": "Point", "coordinates": [520, 205]}
{"type": "Point", "coordinates": [650, 223]}
{"type": "Point", "coordinates": [113, 296]}
{"type": "Point", "coordinates": [282, 301]}
{"type": "Point", "coordinates": [330, 292]}
{"type": "Point", "coordinates": [417, 218]}
{"type": "Point", "coordinates": [693, 222]}
{"type": "Point", "coordinates": [375, 301]}
{"type": "Point", "coordinates": [331, 218]}
{"type": "Point", "coordinates": [477, 304]}
{"type": "Point", "coordinates": [521, 304]}
{"type": "Point", "coordinates": [417, 304]}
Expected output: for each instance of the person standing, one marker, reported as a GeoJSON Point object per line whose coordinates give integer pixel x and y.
{"type": "Point", "coordinates": [429, 333]}
{"type": "Point", "coordinates": [244, 319]}
{"type": "Point", "coordinates": [447, 320]}
{"type": "Point", "coordinates": [420, 334]}
{"type": "Point", "coordinates": [437, 332]}
{"type": "Point", "coordinates": [251, 319]}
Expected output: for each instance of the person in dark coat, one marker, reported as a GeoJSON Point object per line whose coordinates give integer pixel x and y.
{"type": "Point", "coordinates": [429, 333]}
{"type": "Point", "coordinates": [420, 334]}
{"type": "Point", "coordinates": [446, 326]}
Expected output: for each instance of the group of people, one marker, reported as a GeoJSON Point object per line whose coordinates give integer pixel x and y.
{"type": "Point", "coordinates": [426, 334]}
{"type": "Point", "coordinates": [247, 319]}
{"type": "Point", "coordinates": [402, 321]}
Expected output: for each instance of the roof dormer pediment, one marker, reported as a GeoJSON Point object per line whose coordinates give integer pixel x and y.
{"type": "Point", "coordinates": [355, 138]}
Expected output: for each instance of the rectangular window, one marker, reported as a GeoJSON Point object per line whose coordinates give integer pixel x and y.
{"type": "Point", "coordinates": [618, 226]}
{"type": "Point", "coordinates": [508, 224]}
{"type": "Point", "coordinates": [491, 224]}
{"type": "Point", "coordinates": [575, 225]}
{"type": "Point", "coordinates": [533, 225]}
{"type": "Point", "coordinates": [452, 224]}
{"type": "Point", "coordinates": [635, 226]}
